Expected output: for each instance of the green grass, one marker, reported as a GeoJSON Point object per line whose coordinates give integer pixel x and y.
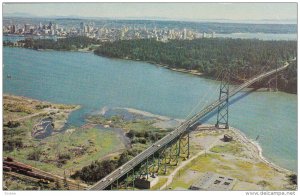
{"type": "Point", "coordinates": [159, 184]}
{"type": "Point", "coordinates": [234, 166]}
{"type": "Point", "coordinates": [233, 147]}
{"type": "Point", "coordinates": [16, 183]}
{"type": "Point", "coordinates": [239, 169]}
{"type": "Point", "coordinates": [264, 170]}
{"type": "Point", "coordinates": [95, 142]}
{"type": "Point", "coordinates": [179, 184]}
{"type": "Point", "coordinates": [203, 163]}
{"type": "Point", "coordinates": [138, 125]}
{"type": "Point", "coordinates": [104, 142]}
{"type": "Point", "coordinates": [203, 134]}
{"type": "Point", "coordinates": [244, 165]}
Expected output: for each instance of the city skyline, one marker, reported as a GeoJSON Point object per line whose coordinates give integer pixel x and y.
{"type": "Point", "coordinates": [281, 12]}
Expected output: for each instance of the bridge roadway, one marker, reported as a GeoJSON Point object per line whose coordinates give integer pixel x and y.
{"type": "Point", "coordinates": [127, 167]}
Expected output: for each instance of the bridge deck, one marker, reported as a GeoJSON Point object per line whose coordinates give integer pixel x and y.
{"type": "Point", "coordinates": [105, 182]}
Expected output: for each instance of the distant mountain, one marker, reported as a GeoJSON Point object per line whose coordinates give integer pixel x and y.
{"type": "Point", "coordinates": [263, 21]}
{"type": "Point", "coordinates": [19, 14]}
{"type": "Point", "coordinates": [218, 25]}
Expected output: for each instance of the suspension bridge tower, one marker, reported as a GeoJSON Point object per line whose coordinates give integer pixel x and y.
{"type": "Point", "coordinates": [222, 118]}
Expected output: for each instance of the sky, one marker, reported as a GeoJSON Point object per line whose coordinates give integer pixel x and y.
{"type": "Point", "coordinates": [176, 11]}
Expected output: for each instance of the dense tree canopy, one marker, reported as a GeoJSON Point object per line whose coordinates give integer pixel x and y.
{"type": "Point", "coordinates": [69, 43]}
{"type": "Point", "coordinates": [99, 169]}
{"type": "Point", "coordinates": [243, 57]}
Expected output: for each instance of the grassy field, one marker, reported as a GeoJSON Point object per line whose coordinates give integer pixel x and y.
{"type": "Point", "coordinates": [82, 146]}
{"type": "Point", "coordinates": [64, 152]}
{"type": "Point", "coordinates": [12, 183]}
{"type": "Point", "coordinates": [139, 125]}
{"type": "Point", "coordinates": [233, 147]}
{"type": "Point", "coordinates": [161, 181]}
{"type": "Point", "coordinates": [225, 161]}
{"type": "Point", "coordinates": [60, 152]}
{"type": "Point", "coordinates": [259, 174]}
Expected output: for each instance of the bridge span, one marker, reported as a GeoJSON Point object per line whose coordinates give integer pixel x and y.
{"type": "Point", "coordinates": [176, 133]}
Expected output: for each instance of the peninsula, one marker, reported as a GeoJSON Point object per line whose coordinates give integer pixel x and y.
{"type": "Point", "coordinates": [205, 57]}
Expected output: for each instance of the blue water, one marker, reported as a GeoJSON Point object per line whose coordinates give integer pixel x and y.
{"type": "Point", "coordinates": [13, 38]}
{"type": "Point", "coordinates": [16, 38]}
{"type": "Point", "coordinates": [260, 36]}
{"type": "Point", "coordinates": [95, 82]}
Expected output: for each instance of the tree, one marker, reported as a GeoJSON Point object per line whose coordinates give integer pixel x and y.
{"type": "Point", "coordinates": [207, 55]}
{"type": "Point", "coordinates": [35, 154]}
{"type": "Point", "coordinates": [124, 157]}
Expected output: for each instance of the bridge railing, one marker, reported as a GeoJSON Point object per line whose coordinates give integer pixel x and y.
{"type": "Point", "coordinates": [177, 132]}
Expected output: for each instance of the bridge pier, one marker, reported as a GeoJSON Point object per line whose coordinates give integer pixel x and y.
{"type": "Point", "coordinates": [188, 145]}
{"type": "Point", "coordinates": [184, 145]}
{"type": "Point", "coordinates": [153, 164]}
{"type": "Point", "coordinates": [274, 84]}
{"type": "Point", "coordinates": [133, 179]}
{"type": "Point", "coordinates": [126, 181]}
{"type": "Point", "coordinates": [165, 160]}
{"type": "Point", "coordinates": [147, 168]}
{"type": "Point", "coordinates": [176, 135]}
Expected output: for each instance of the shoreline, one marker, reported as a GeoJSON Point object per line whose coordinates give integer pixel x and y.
{"type": "Point", "coordinates": [148, 114]}
{"type": "Point", "coordinates": [83, 50]}
{"type": "Point", "coordinates": [180, 70]}
{"type": "Point", "coordinates": [260, 151]}
{"type": "Point", "coordinates": [248, 167]}
{"type": "Point", "coordinates": [39, 100]}
{"type": "Point", "coordinates": [60, 125]}
{"type": "Point", "coordinates": [192, 72]}
{"type": "Point", "coordinates": [251, 145]}
{"type": "Point", "coordinates": [238, 132]}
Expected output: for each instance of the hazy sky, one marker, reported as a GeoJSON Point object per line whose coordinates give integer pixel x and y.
{"type": "Point", "coordinates": [183, 11]}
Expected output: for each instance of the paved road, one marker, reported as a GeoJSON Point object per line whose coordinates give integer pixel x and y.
{"type": "Point", "coordinates": [109, 179]}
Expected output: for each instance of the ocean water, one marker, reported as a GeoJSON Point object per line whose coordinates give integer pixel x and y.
{"type": "Point", "coordinates": [16, 38]}
{"type": "Point", "coordinates": [95, 82]}
{"type": "Point", "coordinates": [260, 36]}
